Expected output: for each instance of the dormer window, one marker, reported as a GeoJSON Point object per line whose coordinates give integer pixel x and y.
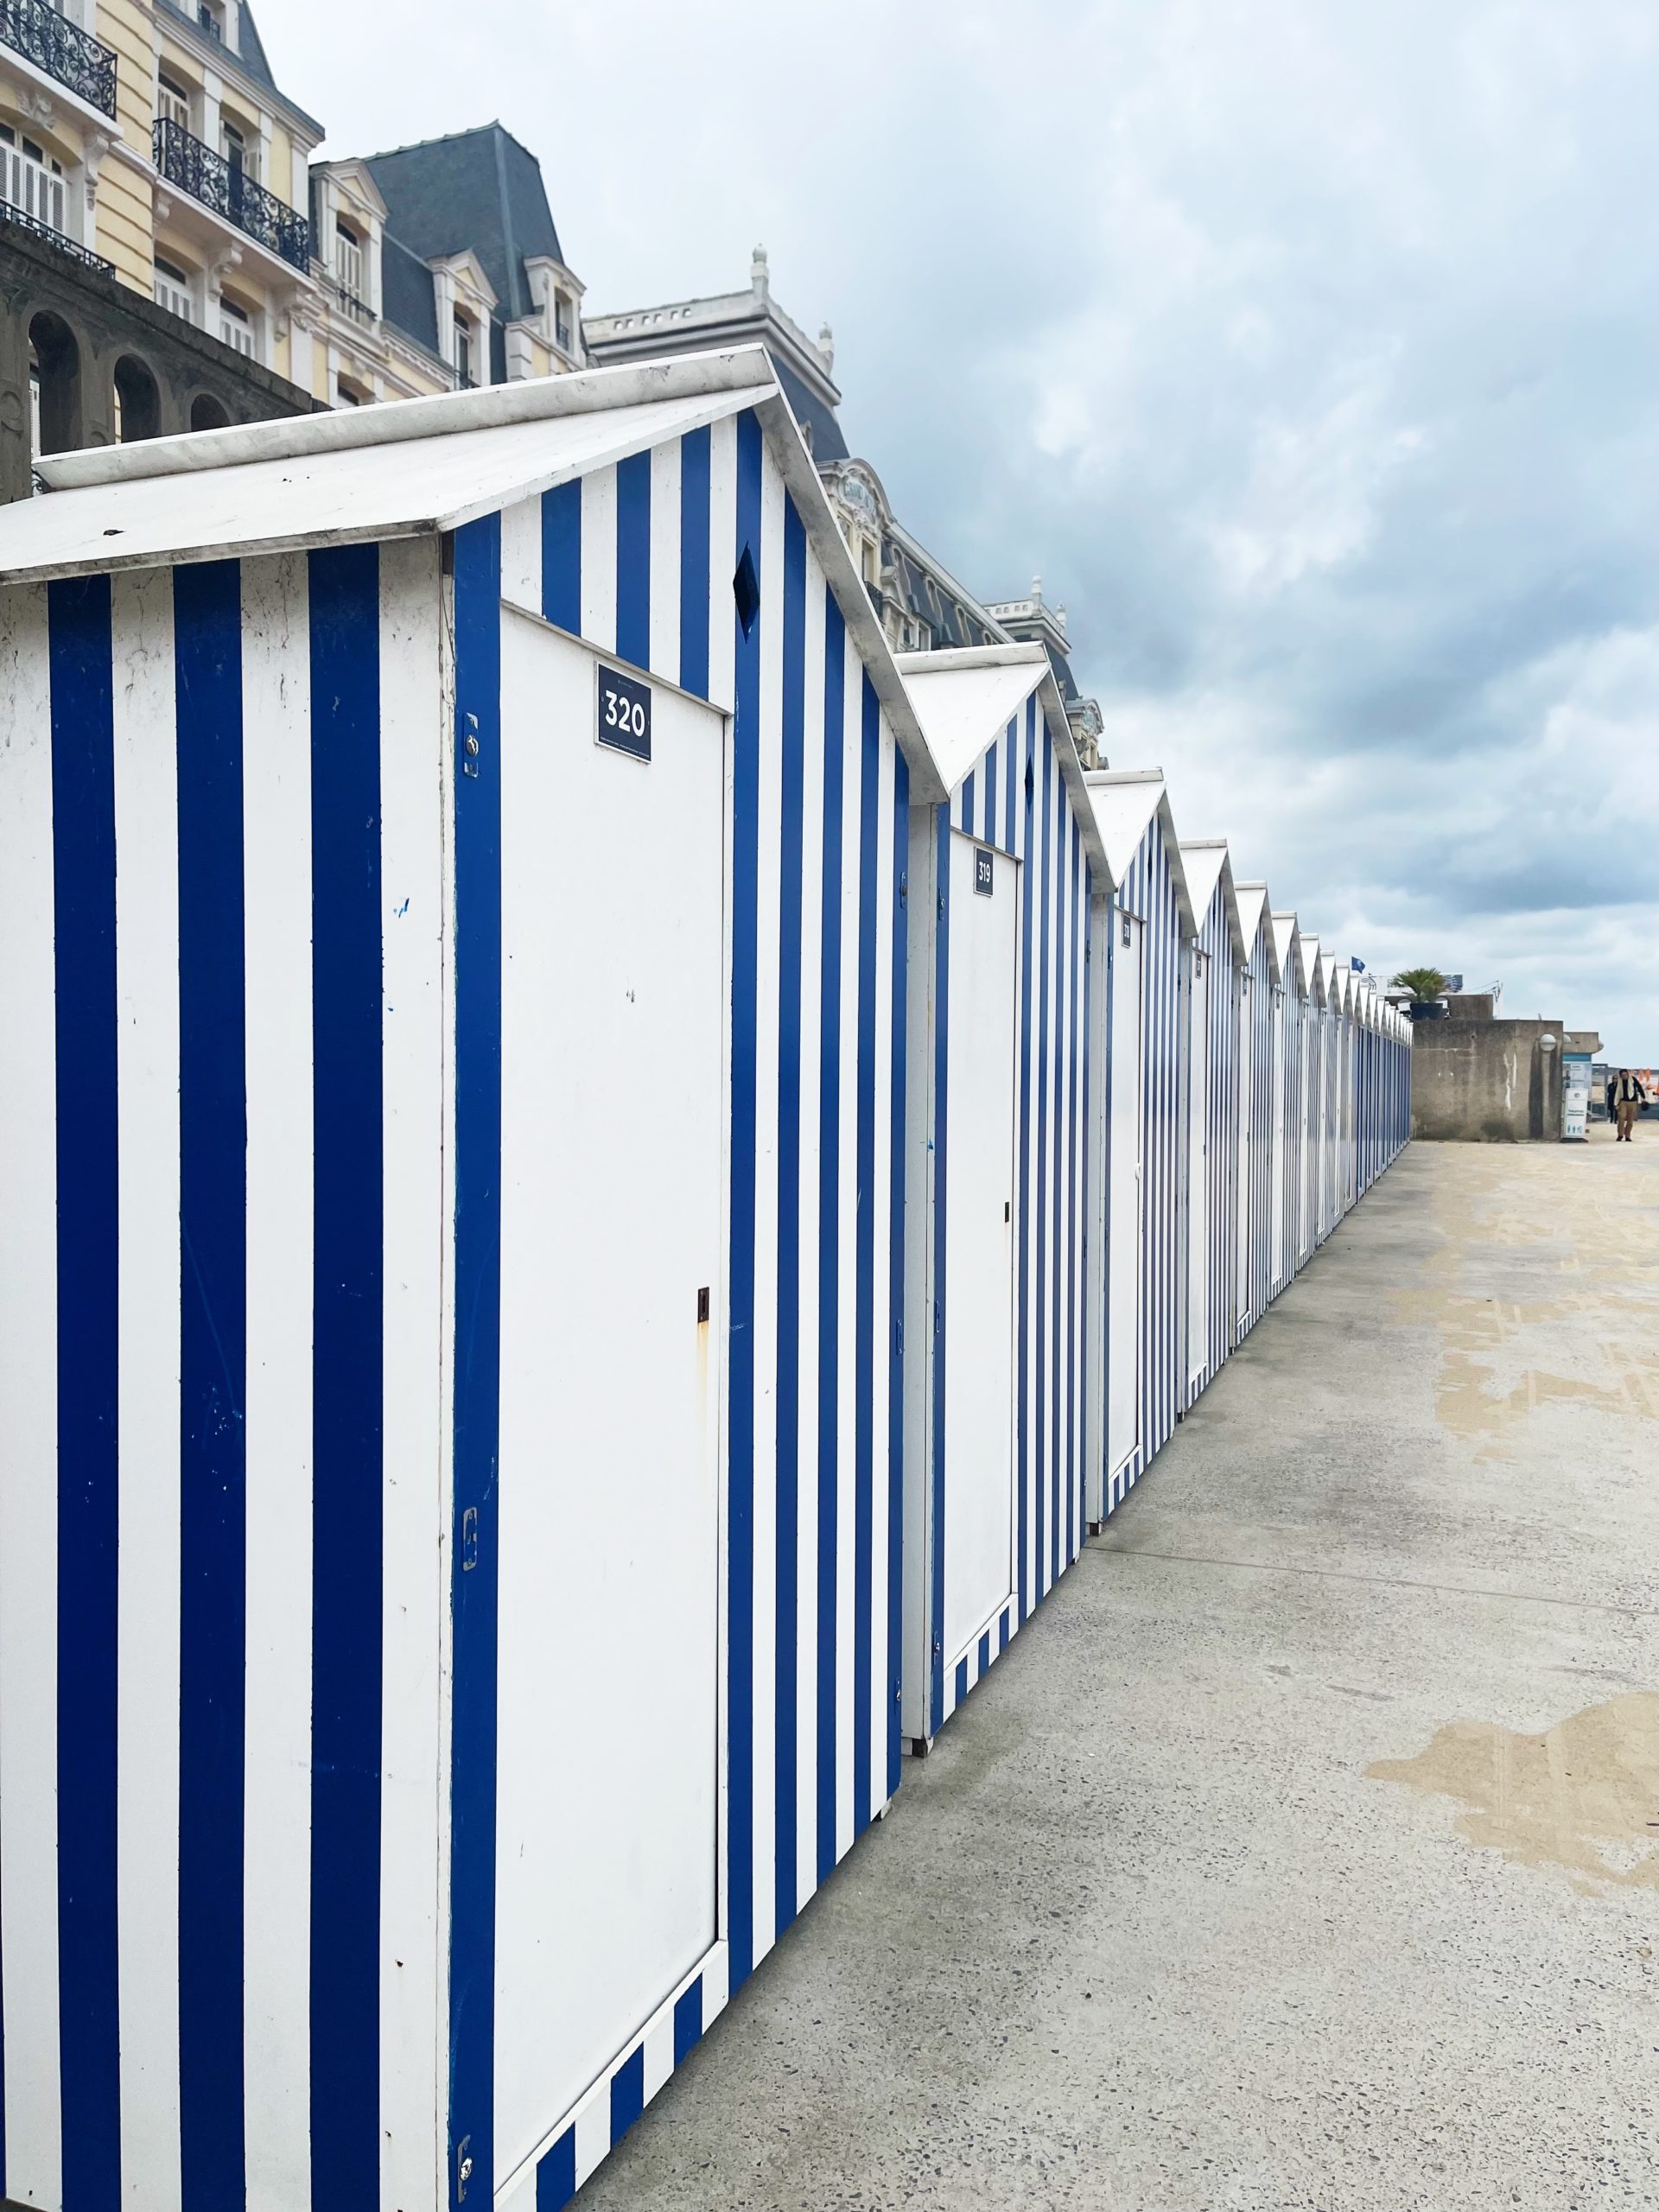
{"type": "Point", "coordinates": [564, 327]}
{"type": "Point", "coordinates": [210, 18]}
{"type": "Point", "coordinates": [464, 370]}
{"type": "Point", "coordinates": [348, 258]}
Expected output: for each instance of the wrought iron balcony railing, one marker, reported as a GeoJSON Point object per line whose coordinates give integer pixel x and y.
{"type": "Point", "coordinates": [36, 30]}
{"type": "Point", "coordinates": [207, 176]}
{"type": "Point", "coordinates": [348, 303]}
{"type": "Point", "coordinates": [9, 213]}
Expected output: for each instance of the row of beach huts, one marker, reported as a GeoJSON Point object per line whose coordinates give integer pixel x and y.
{"type": "Point", "coordinates": [602, 1184]}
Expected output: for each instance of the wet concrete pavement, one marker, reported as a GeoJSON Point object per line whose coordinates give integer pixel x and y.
{"type": "Point", "coordinates": [1304, 1851]}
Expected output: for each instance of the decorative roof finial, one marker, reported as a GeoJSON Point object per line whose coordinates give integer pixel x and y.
{"type": "Point", "coordinates": [760, 275]}
{"type": "Point", "coordinates": [827, 345]}
{"type": "Point", "coordinates": [1036, 587]}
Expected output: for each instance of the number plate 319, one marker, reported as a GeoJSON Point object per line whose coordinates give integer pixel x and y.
{"type": "Point", "coordinates": [623, 713]}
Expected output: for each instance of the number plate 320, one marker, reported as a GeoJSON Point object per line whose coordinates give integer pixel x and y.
{"type": "Point", "coordinates": [624, 713]}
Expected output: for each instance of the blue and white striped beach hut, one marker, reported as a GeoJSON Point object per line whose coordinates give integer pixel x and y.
{"type": "Point", "coordinates": [453, 972]}
{"type": "Point", "coordinates": [1003, 1089]}
{"type": "Point", "coordinates": [1331, 1102]}
{"type": "Point", "coordinates": [1346, 983]}
{"type": "Point", "coordinates": [1150, 924]}
{"type": "Point", "coordinates": [1260, 1069]}
{"type": "Point", "coordinates": [1308, 1229]}
{"type": "Point", "coordinates": [1216, 961]}
{"type": "Point", "coordinates": [1289, 1122]}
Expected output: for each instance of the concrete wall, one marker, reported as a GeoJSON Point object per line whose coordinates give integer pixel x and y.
{"type": "Point", "coordinates": [1486, 1082]}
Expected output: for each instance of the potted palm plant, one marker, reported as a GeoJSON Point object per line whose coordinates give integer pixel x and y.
{"type": "Point", "coordinates": [1426, 985]}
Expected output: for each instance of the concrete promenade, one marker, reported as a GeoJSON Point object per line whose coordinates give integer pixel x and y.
{"type": "Point", "coordinates": [1304, 1852]}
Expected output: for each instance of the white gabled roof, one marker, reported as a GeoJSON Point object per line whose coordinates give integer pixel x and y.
{"type": "Point", "coordinates": [1125, 801]}
{"type": "Point", "coordinates": [1207, 863]}
{"type": "Point", "coordinates": [1287, 944]}
{"type": "Point", "coordinates": [405, 469]}
{"type": "Point", "coordinates": [1252, 911]}
{"type": "Point", "coordinates": [415, 467]}
{"type": "Point", "coordinates": [1315, 975]}
{"type": "Point", "coordinates": [966, 697]}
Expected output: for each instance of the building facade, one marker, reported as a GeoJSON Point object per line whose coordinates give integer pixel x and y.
{"type": "Point", "coordinates": [154, 242]}
{"type": "Point", "coordinates": [439, 268]}
{"type": "Point", "coordinates": [172, 259]}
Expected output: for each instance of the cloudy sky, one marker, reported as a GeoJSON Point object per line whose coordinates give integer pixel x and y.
{"type": "Point", "coordinates": [1309, 350]}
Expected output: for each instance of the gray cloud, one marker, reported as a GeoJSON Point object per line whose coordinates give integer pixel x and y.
{"type": "Point", "coordinates": [1308, 353]}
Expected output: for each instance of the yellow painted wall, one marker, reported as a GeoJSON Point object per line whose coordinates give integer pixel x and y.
{"type": "Point", "coordinates": [124, 198]}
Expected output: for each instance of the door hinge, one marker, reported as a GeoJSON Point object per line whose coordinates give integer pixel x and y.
{"type": "Point", "coordinates": [463, 2168]}
{"type": "Point", "coordinates": [469, 1544]}
{"type": "Point", "coordinates": [899, 1338]}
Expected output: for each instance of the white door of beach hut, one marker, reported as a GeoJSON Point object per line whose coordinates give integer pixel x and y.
{"type": "Point", "coordinates": [1126, 1224]}
{"type": "Point", "coordinates": [611, 1321]}
{"type": "Point", "coordinates": [1198, 1176]}
{"type": "Point", "coordinates": [981, 1518]}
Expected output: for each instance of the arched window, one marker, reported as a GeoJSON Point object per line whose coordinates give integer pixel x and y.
{"type": "Point", "coordinates": [207, 413]}
{"type": "Point", "coordinates": [138, 404]}
{"type": "Point", "coordinates": [55, 384]}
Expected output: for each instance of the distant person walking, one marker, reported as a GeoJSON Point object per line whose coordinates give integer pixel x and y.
{"type": "Point", "coordinates": [1626, 1097]}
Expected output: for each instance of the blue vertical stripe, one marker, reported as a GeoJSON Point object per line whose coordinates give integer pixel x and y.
{"type": "Point", "coordinates": [864, 1378]}
{"type": "Point", "coordinates": [688, 2020]}
{"type": "Point", "coordinates": [555, 2174]}
{"type": "Point", "coordinates": [84, 860]}
{"type": "Point", "coordinates": [830, 1032]}
{"type": "Point", "coordinates": [562, 554]}
{"type": "Point", "coordinates": [627, 2093]}
{"type": "Point", "coordinates": [695, 605]}
{"type": "Point", "coordinates": [788, 1530]}
{"type": "Point", "coordinates": [474, 1551]}
{"type": "Point", "coordinates": [1011, 755]}
{"type": "Point", "coordinates": [896, 1264]}
{"type": "Point", "coordinates": [634, 559]}
{"type": "Point", "coordinates": [213, 1619]}
{"type": "Point", "coordinates": [1048, 1173]}
{"type": "Point", "coordinates": [745, 841]}
{"type": "Point", "coordinates": [348, 1384]}
{"type": "Point", "coordinates": [938, 1321]}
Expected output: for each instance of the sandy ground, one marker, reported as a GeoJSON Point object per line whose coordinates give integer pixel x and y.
{"type": "Point", "coordinates": [1304, 1851]}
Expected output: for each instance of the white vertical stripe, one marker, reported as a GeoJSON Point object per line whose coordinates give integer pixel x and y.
{"type": "Point", "coordinates": [599, 559]}
{"type": "Point", "coordinates": [847, 1266]}
{"type": "Point", "coordinates": [147, 989]}
{"type": "Point", "coordinates": [880, 1313]}
{"type": "Point", "coordinates": [416, 1420]}
{"type": "Point", "coordinates": [276, 876]}
{"type": "Point", "coordinates": [521, 554]}
{"type": "Point", "coordinates": [29, 1413]}
{"type": "Point", "coordinates": [765, 1210]}
{"type": "Point", "coordinates": [722, 559]}
{"type": "Point", "coordinates": [806, 1641]}
{"type": "Point", "coordinates": [666, 560]}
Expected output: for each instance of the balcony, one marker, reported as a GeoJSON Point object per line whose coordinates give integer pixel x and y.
{"type": "Point", "coordinates": [356, 310]}
{"type": "Point", "coordinates": [207, 176]}
{"type": "Point", "coordinates": [36, 30]}
{"type": "Point", "coordinates": [37, 199]}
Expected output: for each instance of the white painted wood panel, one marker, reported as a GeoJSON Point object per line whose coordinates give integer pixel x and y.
{"type": "Point", "coordinates": [608, 1664]}
{"type": "Point", "coordinates": [1126, 1225]}
{"type": "Point", "coordinates": [979, 1235]}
